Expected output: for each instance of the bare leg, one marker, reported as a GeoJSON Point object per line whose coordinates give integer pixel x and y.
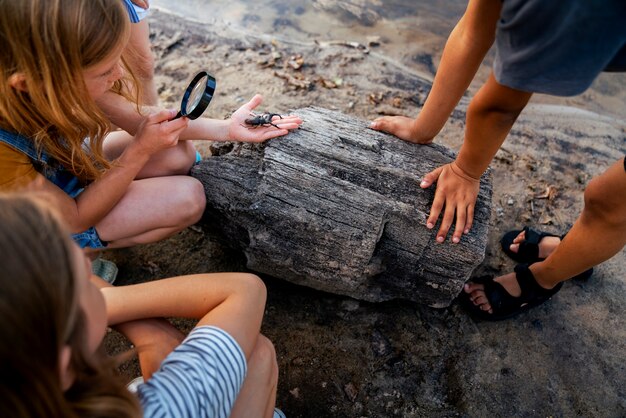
{"type": "Point", "coordinates": [162, 201]}
{"type": "Point", "coordinates": [174, 161]}
{"type": "Point", "coordinates": [258, 393]}
{"type": "Point", "coordinates": [153, 209]}
{"type": "Point", "coordinates": [597, 235]}
{"type": "Point", "coordinates": [141, 60]}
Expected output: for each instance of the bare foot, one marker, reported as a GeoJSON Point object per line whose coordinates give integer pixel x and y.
{"type": "Point", "coordinates": [509, 281]}
{"type": "Point", "coordinates": [477, 292]}
{"type": "Point", "coordinates": [546, 246]}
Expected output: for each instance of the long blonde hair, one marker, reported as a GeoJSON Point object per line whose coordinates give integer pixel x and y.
{"type": "Point", "coordinates": [51, 42]}
{"type": "Point", "coordinates": [39, 314]}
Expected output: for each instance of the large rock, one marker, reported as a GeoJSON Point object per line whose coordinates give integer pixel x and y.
{"type": "Point", "coordinates": [338, 207]}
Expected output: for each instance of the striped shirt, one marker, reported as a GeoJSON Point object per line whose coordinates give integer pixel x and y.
{"type": "Point", "coordinates": [200, 378]}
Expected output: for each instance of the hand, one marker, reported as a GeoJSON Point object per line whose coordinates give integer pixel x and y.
{"type": "Point", "coordinates": [158, 131]}
{"type": "Point", "coordinates": [457, 191]}
{"type": "Point", "coordinates": [141, 3]}
{"type": "Point", "coordinates": [239, 131]}
{"type": "Point", "coordinates": [403, 128]}
{"type": "Point", "coordinates": [157, 339]}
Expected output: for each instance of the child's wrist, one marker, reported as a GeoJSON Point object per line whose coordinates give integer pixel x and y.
{"type": "Point", "coordinates": [462, 172]}
{"type": "Point", "coordinates": [134, 155]}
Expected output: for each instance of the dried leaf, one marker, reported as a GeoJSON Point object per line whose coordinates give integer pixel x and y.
{"type": "Point", "coordinates": [295, 61]}
{"type": "Point", "coordinates": [549, 193]}
{"type": "Point", "coordinates": [375, 98]}
{"type": "Point", "coordinates": [397, 102]}
{"type": "Point", "coordinates": [327, 83]}
{"type": "Point", "coordinates": [298, 81]}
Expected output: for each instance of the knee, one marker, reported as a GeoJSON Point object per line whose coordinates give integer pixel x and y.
{"type": "Point", "coordinates": [603, 206]}
{"type": "Point", "coordinates": [192, 201]}
{"type": "Point", "coordinates": [181, 159]}
{"type": "Point", "coordinates": [263, 357]}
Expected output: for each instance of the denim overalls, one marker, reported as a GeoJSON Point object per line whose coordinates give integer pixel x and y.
{"type": "Point", "coordinates": [57, 174]}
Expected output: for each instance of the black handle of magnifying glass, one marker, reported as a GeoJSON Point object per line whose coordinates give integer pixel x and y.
{"type": "Point", "coordinates": [178, 115]}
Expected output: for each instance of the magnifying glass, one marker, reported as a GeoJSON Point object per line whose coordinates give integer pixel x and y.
{"type": "Point", "coordinates": [197, 96]}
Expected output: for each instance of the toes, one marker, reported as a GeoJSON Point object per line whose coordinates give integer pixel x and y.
{"type": "Point", "coordinates": [486, 307]}
{"type": "Point", "coordinates": [514, 248]}
{"type": "Point", "coordinates": [520, 237]}
{"type": "Point", "coordinates": [480, 299]}
{"type": "Point", "coordinates": [477, 296]}
{"type": "Point", "coordinates": [472, 287]}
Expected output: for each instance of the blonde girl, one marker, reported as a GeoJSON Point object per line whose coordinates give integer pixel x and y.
{"type": "Point", "coordinates": [62, 81]}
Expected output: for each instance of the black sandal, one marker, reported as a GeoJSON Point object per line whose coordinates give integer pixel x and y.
{"type": "Point", "coordinates": [502, 303]}
{"type": "Point", "coordinates": [529, 248]}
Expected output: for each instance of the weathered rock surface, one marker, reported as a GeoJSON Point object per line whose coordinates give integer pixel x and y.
{"type": "Point", "coordinates": [337, 207]}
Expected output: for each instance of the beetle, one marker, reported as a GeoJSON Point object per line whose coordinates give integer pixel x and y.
{"type": "Point", "coordinates": [264, 119]}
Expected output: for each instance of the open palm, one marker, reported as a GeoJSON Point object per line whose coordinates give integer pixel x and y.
{"type": "Point", "coordinates": [239, 131]}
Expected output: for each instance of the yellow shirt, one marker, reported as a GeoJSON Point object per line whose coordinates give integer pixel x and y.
{"type": "Point", "coordinates": [16, 169]}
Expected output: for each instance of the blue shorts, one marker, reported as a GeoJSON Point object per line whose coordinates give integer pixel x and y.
{"type": "Point", "coordinates": [136, 13]}
{"type": "Point", "coordinates": [89, 239]}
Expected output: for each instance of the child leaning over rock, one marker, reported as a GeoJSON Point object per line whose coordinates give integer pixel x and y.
{"type": "Point", "coordinates": [556, 48]}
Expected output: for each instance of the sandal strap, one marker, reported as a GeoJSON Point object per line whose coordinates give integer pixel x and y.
{"type": "Point", "coordinates": [529, 248]}
{"type": "Point", "coordinates": [532, 292]}
{"type": "Point", "coordinates": [501, 301]}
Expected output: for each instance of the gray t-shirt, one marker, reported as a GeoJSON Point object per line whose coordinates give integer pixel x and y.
{"type": "Point", "coordinates": [559, 47]}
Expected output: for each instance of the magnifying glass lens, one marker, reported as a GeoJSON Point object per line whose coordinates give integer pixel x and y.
{"type": "Point", "coordinates": [196, 95]}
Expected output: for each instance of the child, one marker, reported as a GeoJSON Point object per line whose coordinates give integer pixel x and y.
{"type": "Point", "coordinates": [53, 320]}
{"type": "Point", "coordinates": [546, 47]}
{"type": "Point", "coordinates": [62, 81]}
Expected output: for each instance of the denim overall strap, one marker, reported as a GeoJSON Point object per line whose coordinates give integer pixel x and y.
{"type": "Point", "coordinates": [24, 145]}
{"type": "Point", "coordinates": [56, 174]}
{"type": "Point", "coordinates": [44, 163]}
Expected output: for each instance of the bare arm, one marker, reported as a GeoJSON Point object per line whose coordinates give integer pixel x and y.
{"type": "Point", "coordinates": [233, 302]}
{"type": "Point", "coordinates": [99, 197]}
{"type": "Point", "coordinates": [490, 116]}
{"type": "Point", "coordinates": [153, 338]}
{"type": "Point", "coordinates": [125, 115]}
{"type": "Point", "coordinates": [463, 53]}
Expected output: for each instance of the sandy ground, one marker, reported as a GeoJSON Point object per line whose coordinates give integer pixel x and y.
{"type": "Point", "coordinates": [340, 357]}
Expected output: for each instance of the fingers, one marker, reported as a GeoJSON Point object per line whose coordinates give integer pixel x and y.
{"type": "Point", "coordinates": [382, 124]}
{"type": "Point", "coordinates": [459, 229]}
{"type": "Point", "coordinates": [289, 120]}
{"type": "Point", "coordinates": [435, 210]}
{"type": "Point", "coordinates": [162, 116]}
{"type": "Point", "coordinates": [457, 194]}
{"type": "Point", "coordinates": [469, 221]}
{"type": "Point", "coordinates": [431, 177]}
{"type": "Point", "coordinates": [273, 134]}
{"type": "Point", "coordinates": [446, 223]}
{"type": "Point", "coordinates": [254, 102]}
{"type": "Point", "coordinates": [289, 126]}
